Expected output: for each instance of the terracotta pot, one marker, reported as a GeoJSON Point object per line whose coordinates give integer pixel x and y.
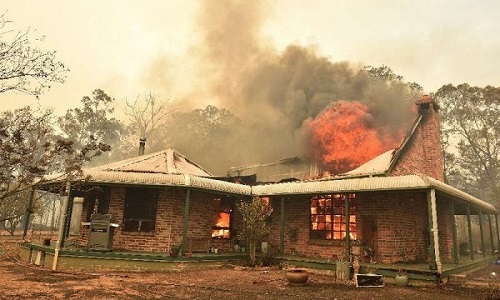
{"type": "Point", "coordinates": [297, 276]}
{"type": "Point", "coordinates": [174, 250]}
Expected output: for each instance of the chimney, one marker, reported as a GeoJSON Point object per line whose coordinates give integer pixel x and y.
{"type": "Point", "coordinates": [422, 154]}
{"type": "Point", "coordinates": [425, 104]}
{"type": "Point", "coordinates": [430, 135]}
{"type": "Point", "coordinates": [142, 145]}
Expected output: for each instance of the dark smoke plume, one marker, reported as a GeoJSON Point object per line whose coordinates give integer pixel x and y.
{"type": "Point", "coordinates": [275, 93]}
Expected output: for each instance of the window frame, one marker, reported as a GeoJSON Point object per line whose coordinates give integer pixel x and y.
{"type": "Point", "coordinates": [222, 210]}
{"type": "Point", "coordinates": [328, 222]}
{"type": "Point", "coordinates": [137, 199]}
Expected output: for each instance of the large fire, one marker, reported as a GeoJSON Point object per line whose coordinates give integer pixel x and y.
{"type": "Point", "coordinates": [345, 135]}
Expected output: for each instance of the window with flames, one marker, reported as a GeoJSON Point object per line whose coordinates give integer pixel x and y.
{"type": "Point", "coordinates": [328, 217]}
{"type": "Point", "coordinates": [221, 224]}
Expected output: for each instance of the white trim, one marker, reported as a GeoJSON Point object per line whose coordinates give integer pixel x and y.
{"type": "Point", "coordinates": [435, 231]}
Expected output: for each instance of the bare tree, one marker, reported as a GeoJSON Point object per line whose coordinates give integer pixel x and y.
{"type": "Point", "coordinates": [23, 66]}
{"type": "Point", "coordinates": [147, 115]}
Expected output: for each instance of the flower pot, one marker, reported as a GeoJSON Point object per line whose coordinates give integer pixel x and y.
{"type": "Point", "coordinates": [401, 280]}
{"type": "Point", "coordinates": [174, 250]}
{"type": "Point", "coordinates": [297, 276]}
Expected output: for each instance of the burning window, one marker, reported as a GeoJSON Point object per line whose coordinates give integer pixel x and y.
{"type": "Point", "coordinates": [140, 209]}
{"type": "Point", "coordinates": [328, 217]}
{"type": "Point", "coordinates": [221, 225]}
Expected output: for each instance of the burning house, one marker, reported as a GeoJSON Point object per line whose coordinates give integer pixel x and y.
{"type": "Point", "coordinates": [396, 204]}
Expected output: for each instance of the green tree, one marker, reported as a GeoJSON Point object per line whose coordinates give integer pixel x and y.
{"type": "Point", "coordinates": [92, 122]}
{"type": "Point", "coordinates": [470, 118]}
{"type": "Point", "coordinates": [254, 228]}
{"type": "Point", "coordinates": [31, 149]}
{"type": "Point", "coordinates": [24, 67]}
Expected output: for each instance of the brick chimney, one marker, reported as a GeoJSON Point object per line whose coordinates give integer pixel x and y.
{"type": "Point", "coordinates": [142, 145]}
{"type": "Point", "coordinates": [422, 153]}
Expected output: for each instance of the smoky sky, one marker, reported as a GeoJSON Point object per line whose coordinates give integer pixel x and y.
{"type": "Point", "coordinates": [273, 92]}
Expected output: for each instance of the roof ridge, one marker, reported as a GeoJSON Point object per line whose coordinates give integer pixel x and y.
{"type": "Point", "coordinates": [133, 160]}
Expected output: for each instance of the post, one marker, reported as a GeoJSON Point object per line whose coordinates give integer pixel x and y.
{"type": "Point", "coordinates": [27, 215]}
{"type": "Point", "coordinates": [434, 234]}
{"type": "Point", "coordinates": [454, 233]}
{"type": "Point", "coordinates": [480, 215]}
{"type": "Point", "coordinates": [498, 232]}
{"type": "Point", "coordinates": [469, 229]}
{"type": "Point", "coordinates": [60, 236]}
{"type": "Point", "coordinates": [67, 219]}
{"type": "Point", "coordinates": [347, 225]}
{"type": "Point", "coordinates": [282, 226]}
{"type": "Point", "coordinates": [186, 219]}
{"type": "Point", "coordinates": [491, 235]}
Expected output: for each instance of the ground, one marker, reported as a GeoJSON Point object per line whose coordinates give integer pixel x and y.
{"type": "Point", "coordinates": [19, 280]}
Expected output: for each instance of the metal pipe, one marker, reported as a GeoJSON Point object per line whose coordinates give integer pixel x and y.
{"type": "Point", "coordinates": [142, 145]}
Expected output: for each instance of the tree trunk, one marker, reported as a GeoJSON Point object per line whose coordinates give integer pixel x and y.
{"type": "Point", "coordinates": [251, 250]}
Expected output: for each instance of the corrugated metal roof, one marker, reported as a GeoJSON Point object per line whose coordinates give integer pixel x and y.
{"type": "Point", "coordinates": [324, 186]}
{"type": "Point", "coordinates": [378, 165]}
{"type": "Point", "coordinates": [160, 179]}
{"type": "Point", "coordinates": [170, 168]}
{"type": "Point", "coordinates": [168, 161]}
{"type": "Point", "coordinates": [341, 185]}
{"type": "Point", "coordinates": [393, 183]}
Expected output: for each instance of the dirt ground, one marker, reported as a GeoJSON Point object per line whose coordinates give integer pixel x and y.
{"type": "Point", "coordinates": [19, 280]}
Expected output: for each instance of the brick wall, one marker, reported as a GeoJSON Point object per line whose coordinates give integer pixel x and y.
{"type": "Point", "coordinates": [399, 232]}
{"type": "Point", "coordinates": [169, 221]}
{"type": "Point", "coordinates": [422, 154]}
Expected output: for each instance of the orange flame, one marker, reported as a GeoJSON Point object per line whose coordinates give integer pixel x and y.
{"type": "Point", "coordinates": [345, 135]}
{"type": "Point", "coordinates": [222, 220]}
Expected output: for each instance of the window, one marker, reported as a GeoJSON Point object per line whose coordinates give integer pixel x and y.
{"type": "Point", "coordinates": [140, 209]}
{"type": "Point", "coordinates": [221, 224]}
{"type": "Point", "coordinates": [328, 217]}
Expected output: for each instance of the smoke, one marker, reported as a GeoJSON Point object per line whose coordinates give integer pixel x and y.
{"type": "Point", "coordinates": [275, 94]}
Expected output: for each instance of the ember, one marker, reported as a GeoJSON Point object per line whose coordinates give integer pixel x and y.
{"type": "Point", "coordinates": [346, 135]}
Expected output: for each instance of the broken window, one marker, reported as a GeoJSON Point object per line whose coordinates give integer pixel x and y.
{"type": "Point", "coordinates": [328, 217]}
{"type": "Point", "coordinates": [221, 225]}
{"type": "Point", "coordinates": [140, 209]}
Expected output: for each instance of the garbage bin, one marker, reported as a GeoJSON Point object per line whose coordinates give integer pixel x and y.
{"type": "Point", "coordinates": [101, 232]}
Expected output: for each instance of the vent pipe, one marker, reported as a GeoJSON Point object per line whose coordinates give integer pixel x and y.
{"type": "Point", "coordinates": [142, 145]}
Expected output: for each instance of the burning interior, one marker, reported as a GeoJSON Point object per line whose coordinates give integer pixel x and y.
{"type": "Point", "coordinates": [329, 217]}
{"type": "Point", "coordinates": [221, 224]}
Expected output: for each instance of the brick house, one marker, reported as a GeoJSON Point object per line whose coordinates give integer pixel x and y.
{"type": "Point", "coordinates": [396, 205]}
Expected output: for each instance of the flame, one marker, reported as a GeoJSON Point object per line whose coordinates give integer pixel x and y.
{"type": "Point", "coordinates": [346, 134]}
{"type": "Point", "coordinates": [222, 220]}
